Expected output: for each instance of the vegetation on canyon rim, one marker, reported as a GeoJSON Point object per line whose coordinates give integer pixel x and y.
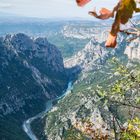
{"type": "Point", "coordinates": [124, 93]}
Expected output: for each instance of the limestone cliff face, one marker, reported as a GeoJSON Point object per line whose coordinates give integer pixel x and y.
{"type": "Point", "coordinates": [133, 50]}
{"type": "Point", "coordinates": [90, 57]}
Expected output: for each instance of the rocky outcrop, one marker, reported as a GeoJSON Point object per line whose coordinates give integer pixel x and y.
{"type": "Point", "coordinates": [133, 50]}
{"type": "Point", "coordinates": [93, 55]}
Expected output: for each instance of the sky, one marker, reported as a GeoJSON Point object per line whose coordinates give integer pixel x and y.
{"type": "Point", "coordinates": [52, 8]}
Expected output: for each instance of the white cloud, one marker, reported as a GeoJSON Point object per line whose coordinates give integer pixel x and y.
{"type": "Point", "coordinates": [5, 5]}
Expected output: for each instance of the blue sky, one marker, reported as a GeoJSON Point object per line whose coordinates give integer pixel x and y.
{"type": "Point", "coordinates": [52, 8]}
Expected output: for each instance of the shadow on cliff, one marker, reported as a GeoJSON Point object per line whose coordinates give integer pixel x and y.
{"type": "Point", "coordinates": [73, 72]}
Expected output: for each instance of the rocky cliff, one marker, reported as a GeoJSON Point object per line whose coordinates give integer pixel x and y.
{"type": "Point", "coordinates": [90, 58]}
{"type": "Point", "coordinates": [133, 50]}
{"type": "Point", "coordinates": [31, 72]}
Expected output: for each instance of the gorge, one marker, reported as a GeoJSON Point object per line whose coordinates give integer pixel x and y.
{"type": "Point", "coordinates": [32, 72]}
{"type": "Point", "coordinates": [35, 74]}
{"type": "Point", "coordinates": [49, 106]}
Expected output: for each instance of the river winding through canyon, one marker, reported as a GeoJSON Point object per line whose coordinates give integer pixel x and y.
{"type": "Point", "coordinates": [49, 105]}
